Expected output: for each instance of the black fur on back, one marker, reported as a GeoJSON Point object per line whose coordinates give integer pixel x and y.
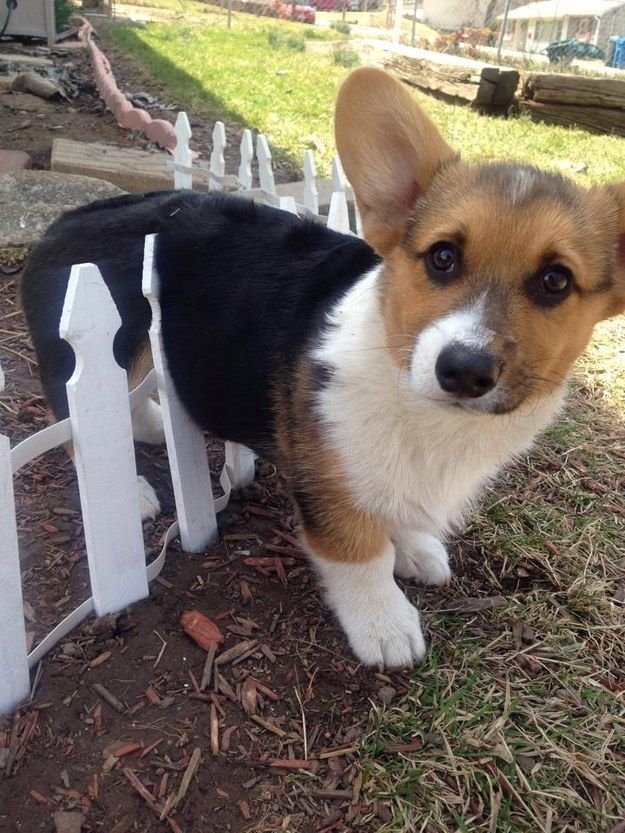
{"type": "Point", "coordinates": [244, 292]}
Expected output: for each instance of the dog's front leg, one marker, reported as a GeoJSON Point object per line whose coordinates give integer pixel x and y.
{"type": "Point", "coordinates": [382, 626]}
{"type": "Point", "coordinates": [421, 556]}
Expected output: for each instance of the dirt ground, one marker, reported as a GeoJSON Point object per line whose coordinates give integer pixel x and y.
{"type": "Point", "coordinates": [276, 729]}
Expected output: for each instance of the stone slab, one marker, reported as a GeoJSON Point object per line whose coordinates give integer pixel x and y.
{"type": "Point", "coordinates": [25, 103]}
{"type": "Point", "coordinates": [31, 200]}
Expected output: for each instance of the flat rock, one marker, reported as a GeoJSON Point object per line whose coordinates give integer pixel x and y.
{"type": "Point", "coordinates": [31, 200]}
{"type": "Point", "coordinates": [6, 80]}
{"type": "Point", "coordinates": [25, 102]}
{"type": "Point", "coordinates": [12, 58]}
{"type": "Point", "coordinates": [14, 160]}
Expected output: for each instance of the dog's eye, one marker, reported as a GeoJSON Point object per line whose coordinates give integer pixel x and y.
{"type": "Point", "coordinates": [556, 281]}
{"type": "Point", "coordinates": [443, 261]}
{"type": "Point", "coordinates": [550, 286]}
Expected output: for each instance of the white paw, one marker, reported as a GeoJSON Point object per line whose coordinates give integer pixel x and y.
{"type": "Point", "coordinates": [148, 502]}
{"type": "Point", "coordinates": [390, 637]}
{"type": "Point", "coordinates": [147, 423]}
{"type": "Point", "coordinates": [382, 626]}
{"type": "Point", "coordinates": [422, 557]}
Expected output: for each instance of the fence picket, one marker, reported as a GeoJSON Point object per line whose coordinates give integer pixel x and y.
{"type": "Point", "coordinates": [217, 166]}
{"type": "Point", "coordinates": [186, 447]}
{"type": "Point", "coordinates": [288, 204]}
{"type": "Point", "coordinates": [265, 171]}
{"type": "Point", "coordinates": [338, 175]}
{"type": "Point", "coordinates": [338, 215]}
{"type": "Point", "coordinates": [247, 155]}
{"type": "Point", "coordinates": [183, 176]}
{"type": "Point", "coordinates": [240, 462]}
{"type": "Point", "coordinates": [102, 434]}
{"type": "Point", "coordinates": [311, 195]}
{"type": "Point", "coordinates": [14, 679]}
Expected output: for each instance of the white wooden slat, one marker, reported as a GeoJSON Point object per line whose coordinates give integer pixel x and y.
{"type": "Point", "coordinates": [104, 452]}
{"type": "Point", "coordinates": [183, 178]}
{"type": "Point", "coordinates": [247, 155]}
{"type": "Point", "coordinates": [186, 447]}
{"type": "Point", "coordinates": [338, 214]}
{"type": "Point", "coordinates": [288, 204]}
{"type": "Point", "coordinates": [240, 464]}
{"type": "Point", "coordinates": [311, 196]}
{"type": "Point", "coordinates": [338, 175]}
{"type": "Point", "coordinates": [217, 165]}
{"type": "Point", "coordinates": [265, 171]}
{"type": "Point", "coordinates": [14, 678]}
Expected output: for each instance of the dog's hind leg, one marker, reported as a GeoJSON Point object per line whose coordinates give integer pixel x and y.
{"type": "Point", "coordinates": [147, 418]}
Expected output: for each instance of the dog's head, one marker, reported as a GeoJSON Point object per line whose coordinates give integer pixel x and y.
{"type": "Point", "coordinates": [495, 274]}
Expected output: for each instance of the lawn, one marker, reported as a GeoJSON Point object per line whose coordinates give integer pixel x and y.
{"type": "Point", "coordinates": [516, 722]}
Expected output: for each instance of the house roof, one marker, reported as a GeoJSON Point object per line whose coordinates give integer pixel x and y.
{"type": "Point", "coordinates": [557, 9]}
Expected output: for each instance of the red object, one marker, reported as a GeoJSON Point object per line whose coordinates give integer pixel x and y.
{"type": "Point", "coordinates": [299, 13]}
{"type": "Point", "coordinates": [201, 629]}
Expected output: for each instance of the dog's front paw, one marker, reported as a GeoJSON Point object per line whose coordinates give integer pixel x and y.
{"type": "Point", "coordinates": [388, 636]}
{"type": "Point", "coordinates": [148, 501]}
{"type": "Point", "coordinates": [422, 557]}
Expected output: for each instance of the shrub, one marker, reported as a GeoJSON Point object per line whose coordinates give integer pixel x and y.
{"type": "Point", "coordinates": [63, 10]}
{"type": "Point", "coordinates": [341, 26]}
{"type": "Point", "coordinates": [346, 58]}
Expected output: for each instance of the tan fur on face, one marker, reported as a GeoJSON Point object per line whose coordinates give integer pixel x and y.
{"type": "Point", "coordinates": [509, 221]}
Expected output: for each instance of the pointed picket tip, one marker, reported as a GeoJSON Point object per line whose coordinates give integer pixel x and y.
{"type": "Point", "coordinates": [182, 127]}
{"type": "Point", "coordinates": [88, 308]}
{"type": "Point", "coordinates": [338, 175]}
{"type": "Point", "coordinates": [219, 134]}
{"type": "Point", "coordinates": [310, 168]}
{"type": "Point", "coordinates": [247, 143]}
{"type": "Point", "coordinates": [247, 154]}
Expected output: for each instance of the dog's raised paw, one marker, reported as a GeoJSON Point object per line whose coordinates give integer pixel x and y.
{"type": "Point", "coordinates": [390, 637]}
{"type": "Point", "coordinates": [148, 501]}
{"type": "Point", "coordinates": [421, 556]}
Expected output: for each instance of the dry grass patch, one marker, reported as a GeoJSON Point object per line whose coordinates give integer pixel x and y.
{"type": "Point", "coordinates": [519, 713]}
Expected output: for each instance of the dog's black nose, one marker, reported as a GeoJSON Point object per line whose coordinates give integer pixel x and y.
{"type": "Point", "coordinates": [466, 371]}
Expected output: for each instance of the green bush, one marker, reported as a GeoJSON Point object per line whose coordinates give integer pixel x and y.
{"type": "Point", "coordinates": [63, 10]}
{"type": "Point", "coordinates": [346, 58]}
{"type": "Point", "coordinates": [295, 43]}
{"type": "Point", "coordinates": [341, 26]}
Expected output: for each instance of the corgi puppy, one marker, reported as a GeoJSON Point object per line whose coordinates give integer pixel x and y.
{"type": "Point", "coordinates": [389, 380]}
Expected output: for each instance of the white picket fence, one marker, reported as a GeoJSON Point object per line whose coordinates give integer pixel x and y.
{"type": "Point", "coordinates": [100, 427]}
{"type": "Point", "coordinates": [267, 193]}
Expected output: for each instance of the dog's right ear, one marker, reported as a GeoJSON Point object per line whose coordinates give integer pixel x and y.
{"type": "Point", "coordinates": [390, 150]}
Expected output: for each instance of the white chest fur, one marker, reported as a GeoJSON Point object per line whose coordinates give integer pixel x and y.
{"type": "Point", "coordinates": [415, 462]}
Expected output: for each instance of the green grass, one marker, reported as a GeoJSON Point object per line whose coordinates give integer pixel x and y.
{"type": "Point", "coordinates": [518, 711]}
{"type": "Point", "coordinates": [255, 75]}
{"type": "Point", "coordinates": [210, 71]}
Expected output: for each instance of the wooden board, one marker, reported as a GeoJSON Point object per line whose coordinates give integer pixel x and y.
{"type": "Point", "coordinates": [128, 168]}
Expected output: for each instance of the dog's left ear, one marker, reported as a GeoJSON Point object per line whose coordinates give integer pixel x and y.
{"type": "Point", "coordinates": [390, 150]}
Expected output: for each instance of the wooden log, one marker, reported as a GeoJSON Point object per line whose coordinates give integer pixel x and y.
{"type": "Point", "coordinates": [594, 119]}
{"type": "Point", "coordinates": [128, 168]}
{"type": "Point", "coordinates": [482, 85]}
{"type": "Point", "coordinates": [576, 90]}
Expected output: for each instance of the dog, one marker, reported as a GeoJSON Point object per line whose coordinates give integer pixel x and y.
{"type": "Point", "coordinates": [389, 380]}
